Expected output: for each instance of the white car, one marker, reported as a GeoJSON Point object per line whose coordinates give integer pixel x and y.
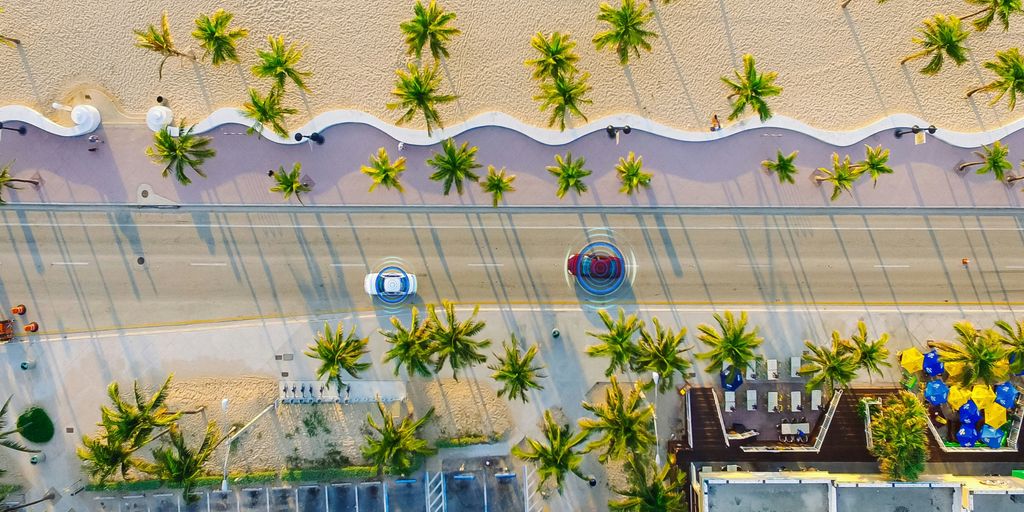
{"type": "Point", "coordinates": [390, 284]}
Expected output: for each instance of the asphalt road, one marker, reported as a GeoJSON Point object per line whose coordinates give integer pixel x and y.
{"type": "Point", "coordinates": [80, 270]}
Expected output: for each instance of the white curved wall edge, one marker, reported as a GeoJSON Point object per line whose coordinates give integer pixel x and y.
{"type": "Point", "coordinates": [85, 117]}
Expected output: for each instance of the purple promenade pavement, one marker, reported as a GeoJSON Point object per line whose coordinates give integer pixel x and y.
{"type": "Point", "coordinates": [725, 172]}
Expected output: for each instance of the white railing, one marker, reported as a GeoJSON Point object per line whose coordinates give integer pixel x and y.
{"type": "Point", "coordinates": [532, 499]}
{"type": "Point", "coordinates": [435, 492]}
{"type": "Point", "coordinates": [689, 420]}
{"type": "Point", "coordinates": [1011, 439]}
{"type": "Point", "coordinates": [867, 421]}
{"type": "Point", "coordinates": [721, 420]}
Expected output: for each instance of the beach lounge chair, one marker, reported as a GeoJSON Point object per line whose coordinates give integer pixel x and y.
{"type": "Point", "coordinates": [796, 401]}
{"type": "Point", "coordinates": [730, 401]}
{"type": "Point", "coordinates": [751, 371]}
{"type": "Point", "coordinates": [773, 401]}
{"type": "Point", "coordinates": [751, 399]}
{"type": "Point", "coordinates": [794, 366]}
{"type": "Point", "coordinates": [773, 369]}
{"type": "Point", "coordinates": [816, 400]}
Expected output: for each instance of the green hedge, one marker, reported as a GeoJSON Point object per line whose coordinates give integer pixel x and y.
{"type": "Point", "coordinates": [134, 485]}
{"type": "Point", "coordinates": [6, 489]}
{"type": "Point", "coordinates": [458, 442]}
{"type": "Point", "coordinates": [35, 425]}
{"type": "Point", "coordinates": [321, 475]}
{"type": "Point", "coordinates": [263, 477]}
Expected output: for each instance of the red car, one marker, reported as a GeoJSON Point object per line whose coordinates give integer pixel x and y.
{"type": "Point", "coordinates": [599, 266]}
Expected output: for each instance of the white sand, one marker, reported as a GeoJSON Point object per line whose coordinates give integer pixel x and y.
{"type": "Point", "coordinates": [840, 69]}
{"type": "Point", "coordinates": [268, 443]}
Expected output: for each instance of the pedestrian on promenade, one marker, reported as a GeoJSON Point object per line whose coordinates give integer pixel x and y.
{"type": "Point", "coordinates": [715, 125]}
{"type": "Point", "coordinates": [94, 142]}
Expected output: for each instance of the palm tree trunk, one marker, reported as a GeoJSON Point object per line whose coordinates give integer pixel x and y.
{"type": "Point", "coordinates": [34, 183]}
{"type": "Point", "coordinates": [197, 411]}
{"type": "Point", "coordinates": [819, 179]}
{"type": "Point", "coordinates": [11, 39]}
{"type": "Point", "coordinates": [845, 3]}
{"type": "Point", "coordinates": [1011, 179]}
{"type": "Point", "coordinates": [963, 167]}
{"type": "Point", "coordinates": [913, 56]}
{"type": "Point", "coordinates": [972, 92]}
{"type": "Point", "coordinates": [973, 14]}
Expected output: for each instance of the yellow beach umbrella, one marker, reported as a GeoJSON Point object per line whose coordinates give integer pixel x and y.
{"type": "Point", "coordinates": [983, 395]}
{"type": "Point", "coordinates": [912, 360]}
{"type": "Point", "coordinates": [954, 368]}
{"type": "Point", "coordinates": [995, 415]}
{"type": "Point", "coordinates": [958, 396]}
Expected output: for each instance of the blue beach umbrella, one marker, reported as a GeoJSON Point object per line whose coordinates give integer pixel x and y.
{"type": "Point", "coordinates": [1006, 394]}
{"type": "Point", "coordinates": [730, 385]}
{"type": "Point", "coordinates": [932, 364]}
{"type": "Point", "coordinates": [967, 436]}
{"type": "Point", "coordinates": [969, 413]}
{"type": "Point", "coordinates": [993, 437]}
{"type": "Point", "coordinates": [937, 392]}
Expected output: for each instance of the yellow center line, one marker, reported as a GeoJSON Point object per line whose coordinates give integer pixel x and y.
{"type": "Point", "coordinates": [563, 303]}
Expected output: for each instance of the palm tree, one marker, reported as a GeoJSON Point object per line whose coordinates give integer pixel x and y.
{"type": "Point", "coordinates": [564, 94]}
{"type": "Point", "coordinates": [160, 41]}
{"type": "Point", "coordinates": [832, 366]}
{"type": "Point", "coordinates": [617, 343]}
{"type": "Point", "coordinates": [289, 183]}
{"type": "Point", "coordinates": [870, 355]}
{"type": "Point", "coordinates": [338, 352]}
{"type": "Point", "coordinates": [1013, 339]}
{"type": "Point", "coordinates": [9, 41]}
{"type": "Point", "coordinates": [570, 174]}
{"type": "Point", "coordinates": [731, 345]}
{"type": "Point", "coordinates": [782, 166]}
{"type": "Point", "coordinates": [187, 150]}
{"type": "Point", "coordinates": [899, 435]}
{"type": "Point", "coordinates": [557, 57]}
{"type": "Point", "coordinates": [5, 434]}
{"type": "Point", "coordinates": [942, 36]}
{"type": "Point", "coordinates": [847, 2]}
{"type": "Point", "coordinates": [416, 91]}
{"type": "Point", "coordinates": [497, 183]}
{"type": "Point", "coordinates": [410, 346]}
{"type": "Point", "coordinates": [102, 457]}
{"type": "Point", "coordinates": [278, 64]}
{"type": "Point", "coordinates": [994, 159]}
{"type": "Point", "coordinates": [133, 422]}
{"type": "Point", "coordinates": [267, 111]}
{"type": "Point", "coordinates": [182, 465]}
{"type": "Point", "coordinates": [626, 32]}
{"type": "Point", "coordinates": [6, 181]}
{"type": "Point", "coordinates": [383, 171]}
{"type": "Point", "coordinates": [397, 447]}
{"type": "Point", "coordinates": [557, 455]}
{"type": "Point", "coordinates": [980, 351]}
{"type": "Point", "coordinates": [217, 38]}
{"type": "Point", "coordinates": [625, 424]}
{"type": "Point", "coordinates": [842, 176]}
{"type": "Point", "coordinates": [452, 341]}
{"type": "Point", "coordinates": [1009, 70]}
{"type": "Point", "coordinates": [663, 353]}
{"type": "Point", "coordinates": [631, 174]}
{"type": "Point", "coordinates": [454, 165]}
{"type": "Point", "coordinates": [1001, 9]}
{"type": "Point", "coordinates": [875, 163]}
{"type": "Point", "coordinates": [649, 491]}
{"type": "Point", "coordinates": [429, 27]}
{"type": "Point", "coordinates": [751, 88]}
{"type": "Point", "coordinates": [515, 371]}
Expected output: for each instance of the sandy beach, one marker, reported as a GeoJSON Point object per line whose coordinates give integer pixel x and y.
{"type": "Point", "coordinates": [839, 68]}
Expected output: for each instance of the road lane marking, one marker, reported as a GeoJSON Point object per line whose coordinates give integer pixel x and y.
{"type": "Point", "coordinates": [200, 264]}
{"type": "Point", "coordinates": [348, 264]}
{"type": "Point", "coordinates": [755, 265]}
{"type": "Point", "coordinates": [486, 264]}
{"type": "Point", "coordinates": [70, 263]}
{"type": "Point", "coordinates": [892, 266]}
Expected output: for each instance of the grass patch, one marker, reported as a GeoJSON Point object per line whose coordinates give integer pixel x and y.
{"type": "Point", "coordinates": [6, 489]}
{"type": "Point", "coordinates": [323, 475]}
{"type": "Point", "coordinates": [35, 425]}
{"type": "Point", "coordinates": [134, 485]}
{"type": "Point", "coordinates": [315, 423]}
{"type": "Point", "coordinates": [470, 440]}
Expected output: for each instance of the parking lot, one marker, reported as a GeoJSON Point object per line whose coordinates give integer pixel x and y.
{"type": "Point", "coordinates": [470, 486]}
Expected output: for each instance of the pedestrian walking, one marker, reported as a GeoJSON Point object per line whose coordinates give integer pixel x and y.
{"type": "Point", "coordinates": [715, 124]}
{"type": "Point", "coordinates": [94, 142]}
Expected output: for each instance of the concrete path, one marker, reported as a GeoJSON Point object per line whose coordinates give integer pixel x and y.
{"type": "Point", "coordinates": [723, 172]}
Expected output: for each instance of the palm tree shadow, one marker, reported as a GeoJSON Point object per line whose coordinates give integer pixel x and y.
{"type": "Point", "coordinates": [455, 90]}
{"type": "Point", "coordinates": [201, 82]}
{"type": "Point", "coordinates": [864, 59]}
{"type": "Point", "coordinates": [675, 63]}
{"type": "Point", "coordinates": [29, 75]}
{"type": "Point", "coordinates": [728, 32]}
{"type": "Point", "coordinates": [913, 91]}
{"type": "Point", "coordinates": [628, 73]}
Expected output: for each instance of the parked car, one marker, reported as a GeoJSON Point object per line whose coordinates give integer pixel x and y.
{"type": "Point", "coordinates": [598, 266]}
{"type": "Point", "coordinates": [390, 284]}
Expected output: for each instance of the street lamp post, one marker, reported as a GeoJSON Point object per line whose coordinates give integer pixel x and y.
{"type": "Point", "coordinates": [21, 129]}
{"type": "Point", "coordinates": [654, 412]}
{"type": "Point", "coordinates": [51, 494]}
{"type": "Point", "coordinates": [900, 132]}
{"type": "Point", "coordinates": [315, 137]}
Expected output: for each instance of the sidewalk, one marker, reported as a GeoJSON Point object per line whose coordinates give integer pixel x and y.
{"type": "Point", "coordinates": [723, 172]}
